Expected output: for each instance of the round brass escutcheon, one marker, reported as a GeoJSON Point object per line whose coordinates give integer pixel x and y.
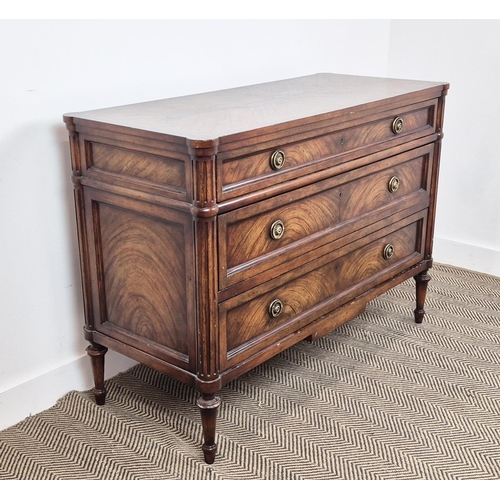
{"type": "Point", "coordinates": [388, 251]}
{"type": "Point", "coordinates": [275, 308]}
{"type": "Point", "coordinates": [393, 184]}
{"type": "Point", "coordinates": [397, 125]}
{"type": "Point", "coordinates": [277, 160]}
{"type": "Point", "coordinates": [277, 229]}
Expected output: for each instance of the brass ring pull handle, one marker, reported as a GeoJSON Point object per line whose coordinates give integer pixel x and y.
{"type": "Point", "coordinates": [275, 308]}
{"type": "Point", "coordinates": [394, 183]}
{"type": "Point", "coordinates": [397, 125]}
{"type": "Point", "coordinates": [277, 160]}
{"type": "Point", "coordinates": [277, 229]}
{"type": "Point", "coordinates": [388, 252]}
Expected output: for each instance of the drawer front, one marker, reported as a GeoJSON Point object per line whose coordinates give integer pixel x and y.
{"type": "Point", "coordinates": [254, 239]}
{"type": "Point", "coordinates": [249, 171]}
{"type": "Point", "coordinates": [256, 319]}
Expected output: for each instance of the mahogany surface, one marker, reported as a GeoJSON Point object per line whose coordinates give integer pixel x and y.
{"type": "Point", "coordinates": [218, 229]}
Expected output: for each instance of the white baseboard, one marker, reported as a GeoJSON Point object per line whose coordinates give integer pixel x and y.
{"type": "Point", "coordinates": [43, 392]}
{"type": "Point", "coordinates": [455, 253]}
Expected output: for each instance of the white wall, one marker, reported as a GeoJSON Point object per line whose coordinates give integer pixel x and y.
{"type": "Point", "coordinates": [465, 53]}
{"type": "Point", "coordinates": [52, 67]}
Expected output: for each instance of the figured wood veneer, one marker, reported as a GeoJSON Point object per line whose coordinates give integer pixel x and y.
{"type": "Point", "coordinates": [160, 170]}
{"type": "Point", "coordinates": [246, 315]}
{"type": "Point", "coordinates": [176, 201]}
{"type": "Point", "coordinates": [144, 272]}
{"type": "Point", "coordinates": [237, 175]}
{"type": "Point", "coordinates": [319, 207]}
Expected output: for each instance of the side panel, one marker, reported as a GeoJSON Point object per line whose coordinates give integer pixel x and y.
{"type": "Point", "coordinates": [142, 263]}
{"type": "Point", "coordinates": [144, 272]}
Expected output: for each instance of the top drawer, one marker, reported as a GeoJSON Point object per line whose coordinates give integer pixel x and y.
{"type": "Point", "coordinates": [247, 170]}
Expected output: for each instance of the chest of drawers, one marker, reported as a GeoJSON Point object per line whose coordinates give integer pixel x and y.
{"type": "Point", "coordinates": [218, 229]}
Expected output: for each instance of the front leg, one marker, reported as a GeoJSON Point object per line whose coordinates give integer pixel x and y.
{"type": "Point", "coordinates": [96, 353]}
{"type": "Point", "coordinates": [422, 280]}
{"type": "Point", "coordinates": [208, 405]}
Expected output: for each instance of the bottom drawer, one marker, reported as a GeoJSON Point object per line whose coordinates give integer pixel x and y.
{"type": "Point", "coordinates": [262, 316]}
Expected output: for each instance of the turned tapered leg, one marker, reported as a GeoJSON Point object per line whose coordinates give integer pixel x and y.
{"type": "Point", "coordinates": [422, 280]}
{"type": "Point", "coordinates": [96, 353]}
{"type": "Point", "coordinates": [208, 405]}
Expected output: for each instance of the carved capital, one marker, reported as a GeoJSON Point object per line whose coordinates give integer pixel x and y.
{"type": "Point", "coordinates": [202, 148]}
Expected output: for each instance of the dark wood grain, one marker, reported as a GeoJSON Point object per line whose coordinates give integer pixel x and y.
{"type": "Point", "coordinates": [160, 170]}
{"type": "Point", "coordinates": [243, 320]}
{"type": "Point", "coordinates": [144, 276]}
{"type": "Point", "coordinates": [96, 353]}
{"type": "Point", "coordinates": [236, 172]}
{"type": "Point", "coordinates": [159, 233]}
{"type": "Point", "coordinates": [313, 211]}
{"type": "Point", "coordinates": [209, 404]}
{"type": "Point", "coordinates": [421, 280]}
{"type": "Point", "coordinates": [175, 200]}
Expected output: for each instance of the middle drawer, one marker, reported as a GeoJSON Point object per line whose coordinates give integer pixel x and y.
{"type": "Point", "coordinates": [268, 234]}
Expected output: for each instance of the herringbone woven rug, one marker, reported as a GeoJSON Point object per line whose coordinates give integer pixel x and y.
{"type": "Point", "coordinates": [380, 398]}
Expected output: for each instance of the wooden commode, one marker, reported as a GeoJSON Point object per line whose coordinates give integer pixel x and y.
{"type": "Point", "coordinates": [218, 229]}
